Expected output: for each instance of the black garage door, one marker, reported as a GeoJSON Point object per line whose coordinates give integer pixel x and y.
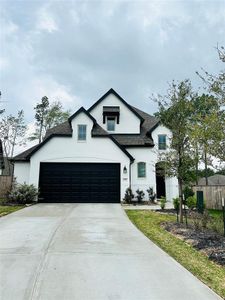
{"type": "Point", "coordinates": [79, 182]}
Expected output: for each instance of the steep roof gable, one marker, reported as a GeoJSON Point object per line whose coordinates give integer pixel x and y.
{"type": "Point", "coordinates": [143, 139]}
{"type": "Point", "coordinates": [82, 110]}
{"type": "Point", "coordinates": [112, 91]}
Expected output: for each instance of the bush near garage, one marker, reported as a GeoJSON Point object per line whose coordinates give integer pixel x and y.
{"type": "Point", "coordinates": [22, 194]}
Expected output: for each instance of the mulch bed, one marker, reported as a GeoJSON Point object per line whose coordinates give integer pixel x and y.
{"type": "Point", "coordinates": [206, 241]}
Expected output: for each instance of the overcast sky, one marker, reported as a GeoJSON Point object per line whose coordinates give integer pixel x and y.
{"type": "Point", "coordinates": [74, 51]}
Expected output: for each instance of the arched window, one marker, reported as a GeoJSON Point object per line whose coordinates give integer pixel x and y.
{"type": "Point", "coordinates": [141, 169]}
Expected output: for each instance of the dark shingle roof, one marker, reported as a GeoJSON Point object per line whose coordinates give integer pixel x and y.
{"type": "Point", "coordinates": [62, 129]}
{"type": "Point", "coordinates": [217, 179]}
{"type": "Point", "coordinates": [25, 154]}
{"type": "Point", "coordinates": [97, 130]}
{"type": "Point", "coordinates": [143, 139]}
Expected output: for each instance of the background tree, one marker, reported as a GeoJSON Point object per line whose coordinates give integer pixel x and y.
{"type": "Point", "coordinates": [216, 86]}
{"type": "Point", "coordinates": [1, 110]}
{"type": "Point", "coordinates": [40, 115]}
{"type": "Point", "coordinates": [47, 116]}
{"type": "Point", "coordinates": [12, 133]}
{"type": "Point", "coordinates": [216, 83]}
{"type": "Point", "coordinates": [205, 130]}
{"type": "Point", "coordinates": [175, 112]}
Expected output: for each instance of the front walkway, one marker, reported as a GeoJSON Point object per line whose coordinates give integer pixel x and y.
{"type": "Point", "coordinates": [87, 252]}
{"type": "Point", "coordinates": [169, 205]}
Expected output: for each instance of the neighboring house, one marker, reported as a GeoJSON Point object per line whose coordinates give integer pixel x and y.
{"type": "Point", "coordinates": [97, 154]}
{"type": "Point", "coordinates": [217, 179]}
{"type": "Point", "coordinates": [213, 192]}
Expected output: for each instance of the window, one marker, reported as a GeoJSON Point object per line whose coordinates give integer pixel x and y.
{"type": "Point", "coordinates": [111, 124]}
{"type": "Point", "coordinates": [141, 169]}
{"type": "Point", "coordinates": [82, 132]}
{"type": "Point", "coordinates": [162, 141]}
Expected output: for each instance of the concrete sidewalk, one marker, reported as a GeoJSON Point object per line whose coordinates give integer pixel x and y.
{"type": "Point", "coordinates": [87, 252]}
{"type": "Point", "coordinates": [169, 205]}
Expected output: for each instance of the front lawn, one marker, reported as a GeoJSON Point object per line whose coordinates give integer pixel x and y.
{"type": "Point", "coordinates": [207, 271]}
{"type": "Point", "coordinates": [216, 213]}
{"type": "Point", "coordinates": [5, 210]}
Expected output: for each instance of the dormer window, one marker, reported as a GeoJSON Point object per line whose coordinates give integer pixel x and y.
{"type": "Point", "coordinates": [82, 132]}
{"type": "Point", "coordinates": [111, 123]}
{"type": "Point", "coordinates": [111, 113]}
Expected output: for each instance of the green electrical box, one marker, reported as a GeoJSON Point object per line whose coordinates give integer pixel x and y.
{"type": "Point", "coordinates": [200, 202]}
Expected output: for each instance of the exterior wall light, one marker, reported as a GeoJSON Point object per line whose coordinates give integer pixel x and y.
{"type": "Point", "coordinates": [125, 170]}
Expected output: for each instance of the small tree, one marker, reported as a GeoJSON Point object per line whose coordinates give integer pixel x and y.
{"type": "Point", "coordinates": [175, 111]}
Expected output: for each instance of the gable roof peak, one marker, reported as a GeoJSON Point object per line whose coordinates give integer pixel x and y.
{"type": "Point", "coordinates": [112, 91]}
{"type": "Point", "coordinates": [81, 110]}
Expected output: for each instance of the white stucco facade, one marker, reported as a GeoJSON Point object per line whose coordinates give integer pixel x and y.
{"type": "Point", "coordinates": [22, 172]}
{"type": "Point", "coordinates": [102, 149]}
{"type": "Point", "coordinates": [129, 123]}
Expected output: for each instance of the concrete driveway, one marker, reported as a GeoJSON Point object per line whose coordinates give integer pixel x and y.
{"type": "Point", "coordinates": [87, 251]}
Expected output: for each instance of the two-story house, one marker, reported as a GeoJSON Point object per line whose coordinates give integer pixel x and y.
{"type": "Point", "coordinates": [97, 154]}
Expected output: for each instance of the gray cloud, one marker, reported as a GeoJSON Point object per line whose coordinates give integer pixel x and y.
{"type": "Point", "coordinates": [74, 51]}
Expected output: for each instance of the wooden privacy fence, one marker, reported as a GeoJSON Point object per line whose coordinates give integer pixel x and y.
{"type": "Point", "coordinates": [212, 195]}
{"type": "Point", "coordinates": [5, 185]}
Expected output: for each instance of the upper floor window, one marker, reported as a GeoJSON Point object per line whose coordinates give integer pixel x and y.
{"type": "Point", "coordinates": [111, 124]}
{"type": "Point", "coordinates": [82, 132]}
{"type": "Point", "coordinates": [111, 112]}
{"type": "Point", "coordinates": [141, 169]}
{"type": "Point", "coordinates": [162, 141]}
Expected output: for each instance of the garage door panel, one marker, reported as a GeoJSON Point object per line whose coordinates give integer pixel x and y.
{"type": "Point", "coordinates": [79, 182]}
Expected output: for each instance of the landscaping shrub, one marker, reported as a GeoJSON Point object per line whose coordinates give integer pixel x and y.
{"type": "Point", "coordinates": [162, 202]}
{"type": "Point", "coordinates": [216, 225]}
{"type": "Point", "coordinates": [140, 195]}
{"type": "Point", "coordinates": [128, 197]}
{"type": "Point", "coordinates": [191, 202]}
{"type": "Point", "coordinates": [176, 203]}
{"type": "Point", "coordinates": [197, 220]}
{"type": "Point", "coordinates": [151, 195]}
{"type": "Point", "coordinates": [201, 221]}
{"type": "Point", "coordinates": [205, 219]}
{"type": "Point", "coordinates": [3, 201]}
{"type": "Point", "coordinates": [22, 193]}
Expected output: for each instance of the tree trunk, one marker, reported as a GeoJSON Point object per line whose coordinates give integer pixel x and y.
{"type": "Point", "coordinates": [181, 200]}
{"type": "Point", "coordinates": [14, 142]}
{"type": "Point", "coordinates": [206, 166]}
{"type": "Point", "coordinates": [196, 164]}
{"type": "Point", "coordinates": [40, 133]}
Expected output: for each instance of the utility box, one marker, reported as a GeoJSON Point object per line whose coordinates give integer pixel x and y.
{"type": "Point", "coordinates": [200, 202]}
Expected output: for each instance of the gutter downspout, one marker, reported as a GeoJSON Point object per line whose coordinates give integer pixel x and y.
{"type": "Point", "coordinates": [131, 162]}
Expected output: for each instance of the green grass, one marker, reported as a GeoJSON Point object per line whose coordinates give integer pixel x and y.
{"type": "Point", "coordinates": [197, 263]}
{"type": "Point", "coordinates": [5, 210]}
{"type": "Point", "coordinates": [216, 213]}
